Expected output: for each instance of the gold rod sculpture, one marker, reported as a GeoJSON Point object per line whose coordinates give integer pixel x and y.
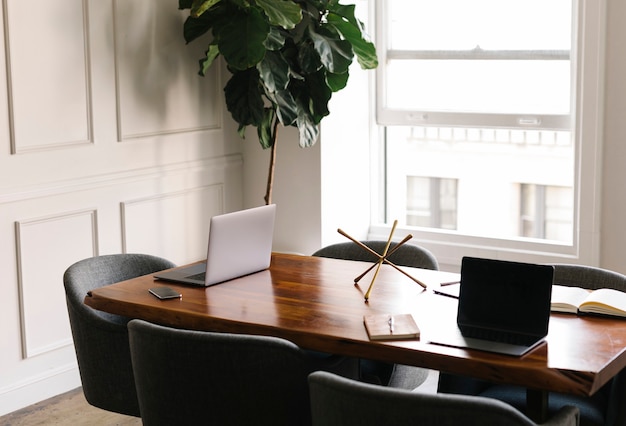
{"type": "Point", "coordinates": [382, 258]}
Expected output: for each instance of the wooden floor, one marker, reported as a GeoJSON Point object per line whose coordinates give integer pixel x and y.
{"type": "Point", "coordinates": [69, 408]}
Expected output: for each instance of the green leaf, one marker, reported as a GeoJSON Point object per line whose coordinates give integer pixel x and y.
{"type": "Point", "coordinates": [241, 131]}
{"type": "Point", "coordinates": [244, 97]}
{"type": "Point", "coordinates": [308, 58]}
{"type": "Point", "coordinates": [336, 55]}
{"type": "Point", "coordinates": [274, 71]}
{"type": "Point", "coordinates": [266, 128]}
{"type": "Point", "coordinates": [336, 82]}
{"type": "Point", "coordinates": [347, 12]}
{"type": "Point", "coordinates": [198, 7]}
{"type": "Point", "coordinates": [242, 4]}
{"type": "Point", "coordinates": [364, 50]}
{"type": "Point", "coordinates": [305, 121]}
{"type": "Point", "coordinates": [241, 39]}
{"type": "Point", "coordinates": [319, 94]}
{"type": "Point", "coordinates": [275, 39]}
{"type": "Point", "coordinates": [309, 131]}
{"type": "Point", "coordinates": [185, 4]}
{"type": "Point", "coordinates": [286, 107]}
{"type": "Point", "coordinates": [282, 13]}
{"type": "Point", "coordinates": [196, 27]}
{"type": "Point", "coordinates": [206, 62]}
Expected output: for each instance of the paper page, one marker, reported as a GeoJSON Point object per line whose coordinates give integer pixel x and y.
{"type": "Point", "coordinates": [606, 301]}
{"type": "Point", "coordinates": [567, 299]}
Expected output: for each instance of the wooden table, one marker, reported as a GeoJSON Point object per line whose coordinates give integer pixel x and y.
{"type": "Point", "coordinates": [314, 303]}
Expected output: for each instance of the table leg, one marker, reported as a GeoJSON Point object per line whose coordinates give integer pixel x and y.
{"type": "Point", "coordinates": [537, 405]}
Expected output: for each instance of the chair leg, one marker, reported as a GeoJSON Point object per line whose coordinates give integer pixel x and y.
{"type": "Point", "coordinates": [537, 405]}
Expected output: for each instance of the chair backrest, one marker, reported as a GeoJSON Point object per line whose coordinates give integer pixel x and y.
{"type": "Point", "coordinates": [196, 377]}
{"type": "Point", "coordinates": [594, 278]}
{"type": "Point", "coordinates": [337, 401]}
{"type": "Point", "coordinates": [588, 277]}
{"type": "Point", "coordinates": [407, 255]}
{"type": "Point", "coordinates": [101, 339]}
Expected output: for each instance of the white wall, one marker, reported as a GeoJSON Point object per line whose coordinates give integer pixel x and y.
{"type": "Point", "coordinates": [109, 142]}
{"type": "Point", "coordinates": [296, 190]}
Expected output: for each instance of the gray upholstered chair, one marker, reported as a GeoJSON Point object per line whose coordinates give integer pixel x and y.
{"type": "Point", "coordinates": [337, 401]}
{"type": "Point", "coordinates": [186, 377]}
{"type": "Point", "coordinates": [101, 339]}
{"type": "Point", "coordinates": [607, 407]}
{"type": "Point", "coordinates": [411, 255]}
{"type": "Point", "coordinates": [407, 255]}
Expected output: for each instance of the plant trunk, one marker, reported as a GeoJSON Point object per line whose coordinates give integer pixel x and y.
{"type": "Point", "coordinates": [270, 173]}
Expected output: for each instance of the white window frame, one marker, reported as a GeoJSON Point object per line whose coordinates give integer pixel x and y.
{"type": "Point", "coordinates": [588, 78]}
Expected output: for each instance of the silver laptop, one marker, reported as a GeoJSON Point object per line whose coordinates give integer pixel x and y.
{"type": "Point", "coordinates": [240, 243]}
{"type": "Point", "coordinates": [504, 307]}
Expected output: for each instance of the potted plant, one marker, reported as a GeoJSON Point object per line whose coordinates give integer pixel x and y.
{"type": "Point", "coordinates": [287, 58]}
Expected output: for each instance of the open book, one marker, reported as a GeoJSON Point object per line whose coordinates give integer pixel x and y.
{"type": "Point", "coordinates": [391, 327]}
{"type": "Point", "coordinates": [575, 300]}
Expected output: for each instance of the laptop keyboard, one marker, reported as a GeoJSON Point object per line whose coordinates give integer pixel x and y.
{"type": "Point", "coordinates": [499, 336]}
{"type": "Point", "coordinates": [200, 277]}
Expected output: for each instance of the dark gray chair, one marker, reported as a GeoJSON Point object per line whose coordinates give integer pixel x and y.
{"type": "Point", "coordinates": [407, 255]}
{"type": "Point", "coordinates": [337, 401]}
{"type": "Point", "coordinates": [101, 339]}
{"type": "Point", "coordinates": [186, 377]}
{"type": "Point", "coordinates": [607, 407]}
{"type": "Point", "coordinates": [411, 255]}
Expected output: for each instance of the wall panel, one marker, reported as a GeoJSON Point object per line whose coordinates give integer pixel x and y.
{"type": "Point", "coordinates": [48, 73]}
{"type": "Point", "coordinates": [176, 225]}
{"type": "Point", "coordinates": [156, 76]}
{"type": "Point", "coordinates": [45, 248]}
{"type": "Point", "coordinates": [163, 211]}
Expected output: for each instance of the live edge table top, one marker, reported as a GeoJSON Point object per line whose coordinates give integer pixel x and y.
{"type": "Point", "coordinates": [314, 303]}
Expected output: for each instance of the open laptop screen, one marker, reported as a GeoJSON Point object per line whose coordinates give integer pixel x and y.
{"type": "Point", "coordinates": [505, 296]}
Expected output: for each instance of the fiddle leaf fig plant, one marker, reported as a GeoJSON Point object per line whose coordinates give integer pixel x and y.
{"type": "Point", "coordinates": [286, 57]}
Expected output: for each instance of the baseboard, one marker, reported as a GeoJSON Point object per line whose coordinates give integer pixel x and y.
{"type": "Point", "coordinates": [39, 388]}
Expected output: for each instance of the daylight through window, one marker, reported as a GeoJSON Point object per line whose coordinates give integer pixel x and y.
{"type": "Point", "coordinates": [477, 101]}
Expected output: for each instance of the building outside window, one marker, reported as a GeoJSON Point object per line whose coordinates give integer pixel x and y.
{"type": "Point", "coordinates": [431, 202]}
{"type": "Point", "coordinates": [545, 211]}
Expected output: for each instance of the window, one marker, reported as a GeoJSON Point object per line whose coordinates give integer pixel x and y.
{"type": "Point", "coordinates": [545, 212]}
{"type": "Point", "coordinates": [479, 62]}
{"type": "Point", "coordinates": [431, 202]}
{"type": "Point", "coordinates": [487, 94]}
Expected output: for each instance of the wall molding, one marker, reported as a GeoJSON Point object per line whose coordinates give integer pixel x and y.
{"type": "Point", "coordinates": [122, 133]}
{"type": "Point", "coordinates": [147, 135]}
{"type": "Point", "coordinates": [135, 213]}
{"type": "Point", "coordinates": [14, 146]}
{"type": "Point", "coordinates": [31, 350]}
{"type": "Point", "coordinates": [118, 178]}
{"type": "Point", "coordinates": [38, 387]}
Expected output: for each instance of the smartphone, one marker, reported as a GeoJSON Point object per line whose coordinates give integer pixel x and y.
{"type": "Point", "coordinates": [165, 293]}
